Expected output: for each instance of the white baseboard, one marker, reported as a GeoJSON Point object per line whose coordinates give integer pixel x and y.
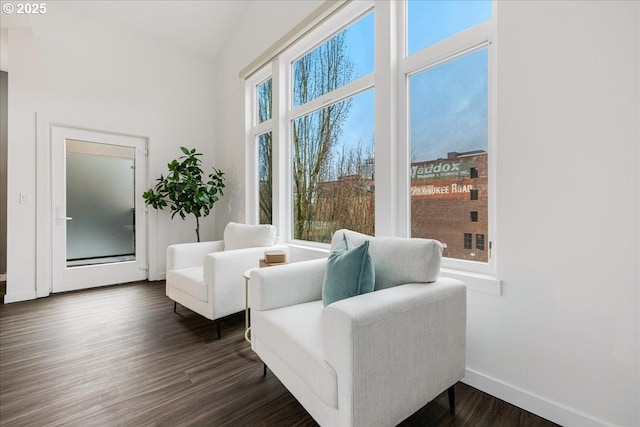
{"type": "Point", "coordinates": [22, 296]}
{"type": "Point", "coordinates": [538, 405]}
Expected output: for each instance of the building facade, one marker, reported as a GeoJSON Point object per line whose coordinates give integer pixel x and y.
{"type": "Point", "coordinates": [449, 203]}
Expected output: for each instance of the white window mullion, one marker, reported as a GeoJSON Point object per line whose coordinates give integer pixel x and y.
{"type": "Point", "coordinates": [388, 170]}
{"type": "Point", "coordinates": [263, 127]}
{"type": "Point", "coordinates": [468, 40]}
{"type": "Point", "coordinates": [281, 157]}
{"type": "Point", "coordinates": [341, 93]}
{"type": "Point", "coordinates": [402, 190]}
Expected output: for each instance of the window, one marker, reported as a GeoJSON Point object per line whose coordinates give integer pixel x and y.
{"type": "Point", "coordinates": [448, 116]}
{"type": "Point", "coordinates": [265, 178]}
{"type": "Point", "coordinates": [264, 141]}
{"type": "Point", "coordinates": [260, 137]}
{"type": "Point", "coordinates": [340, 60]}
{"type": "Point", "coordinates": [333, 169]}
{"type": "Point", "coordinates": [332, 143]}
{"type": "Point", "coordinates": [334, 125]}
{"type": "Point", "coordinates": [467, 240]}
{"type": "Point", "coordinates": [264, 102]}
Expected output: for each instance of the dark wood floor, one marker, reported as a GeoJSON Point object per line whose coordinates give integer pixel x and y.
{"type": "Point", "coordinates": [119, 356]}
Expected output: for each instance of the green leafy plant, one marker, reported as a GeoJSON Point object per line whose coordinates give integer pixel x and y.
{"type": "Point", "coordinates": [184, 190]}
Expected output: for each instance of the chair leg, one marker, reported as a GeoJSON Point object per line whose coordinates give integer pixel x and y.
{"type": "Point", "coordinates": [264, 369]}
{"type": "Point", "coordinates": [452, 400]}
{"type": "Point", "coordinates": [174, 306]}
{"type": "Point", "coordinates": [218, 327]}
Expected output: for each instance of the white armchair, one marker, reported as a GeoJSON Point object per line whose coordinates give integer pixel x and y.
{"type": "Point", "coordinates": [207, 277]}
{"type": "Point", "coordinates": [372, 359]}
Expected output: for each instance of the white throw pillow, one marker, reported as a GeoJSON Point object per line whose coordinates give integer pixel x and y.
{"type": "Point", "coordinates": [398, 260]}
{"type": "Point", "coordinates": [240, 236]}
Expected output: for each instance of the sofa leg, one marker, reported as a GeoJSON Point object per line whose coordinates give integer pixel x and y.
{"type": "Point", "coordinates": [218, 328]}
{"type": "Point", "coordinates": [452, 400]}
{"type": "Point", "coordinates": [264, 369]}
{"type": "Point", "coordinates": [174, 306]}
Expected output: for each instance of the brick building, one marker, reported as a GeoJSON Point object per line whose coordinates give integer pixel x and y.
{"type": "Point", "coordinates": [449, 203]}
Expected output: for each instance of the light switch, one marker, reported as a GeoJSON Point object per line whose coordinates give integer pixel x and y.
{"type": "Point", "coordinates": [24, 198]}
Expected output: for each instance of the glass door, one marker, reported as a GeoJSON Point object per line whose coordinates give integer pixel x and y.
{"type": "Point", "coordinates": [101, 218]}
{"type": "Point", "coordinates": [98, 230]}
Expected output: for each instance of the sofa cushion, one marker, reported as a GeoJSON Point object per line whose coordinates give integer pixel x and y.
{"type": "Point", "coordinates": [349, 272]}
{"type": "Point", "coordinates": [240, 236]}
{"type": "Point", "coordinates": [190, 281]}
{"type": "Point", "coordinates": [398, 260]}
{"type": "Point", "coordinates": [294, 333]}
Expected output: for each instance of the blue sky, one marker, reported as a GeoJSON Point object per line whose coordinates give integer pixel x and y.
{"type": "Point", "coordinates": [448, 107]}
{"type": "Point", "coordinates": [432, 21]}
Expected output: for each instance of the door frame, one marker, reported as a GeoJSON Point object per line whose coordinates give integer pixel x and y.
{"type": "Point", "coordinates": [45, 212]}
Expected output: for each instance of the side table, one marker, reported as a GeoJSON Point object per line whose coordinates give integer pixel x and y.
{"type": "Point", "coordinates": [247, 325]}
{"type": "Point", "coordinates": [247, 277]}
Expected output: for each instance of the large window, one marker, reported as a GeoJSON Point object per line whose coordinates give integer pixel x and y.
{"type": "Point", "coordinates": [260, 135]}
{"type": "Point", "coordinates": [448, 124]}
{"type": "Point", "coordinates": [424, 90]}
{"type": "Point", "coordinates": [448, 136]}
{"type": "Point", "coordinates": [332, 141]}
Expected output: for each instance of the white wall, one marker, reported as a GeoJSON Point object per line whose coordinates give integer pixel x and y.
{"type": "Point", "coordinates": [87, 75]}
{"type": "Point", "coordinates": [562, 341]}
{"type": "Point", "coordinates": [262, 25]}
{"type": "Point", "coordinates": [567, 328]}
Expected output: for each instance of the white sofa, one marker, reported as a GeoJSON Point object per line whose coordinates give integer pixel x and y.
{"type": "Point", "coordinates": [372, 359]}
{"type": "Point", "coordinates": [207, 277]}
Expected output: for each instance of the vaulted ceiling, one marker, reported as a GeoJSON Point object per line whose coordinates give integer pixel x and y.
{"type": "Point", "coordinates": [199, 26]}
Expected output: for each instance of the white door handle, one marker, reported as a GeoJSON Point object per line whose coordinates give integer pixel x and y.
{"type": "Point", "coordinates": [59, 216]}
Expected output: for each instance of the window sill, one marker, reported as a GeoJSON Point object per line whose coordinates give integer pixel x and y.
{"type": "Point", "coordinates": [306, 252]}
{"type": "Point", "coordinates": [478, 282]}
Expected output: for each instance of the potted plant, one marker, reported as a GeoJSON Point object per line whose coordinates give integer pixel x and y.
{"type": "Point", "coordinates": [184, 189]}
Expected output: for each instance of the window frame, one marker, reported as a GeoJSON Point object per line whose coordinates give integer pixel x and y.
{"type": "Point", "coordinates": [390, 80]}
{"type": "Point", "coordinates": [349, 14]}
{"type": "Point", "coordinates": [253, 130]}
{"type": "Point", "coordinates": [479, 36]}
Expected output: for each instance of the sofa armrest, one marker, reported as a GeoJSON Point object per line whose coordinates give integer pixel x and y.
{"type": "Point", "coordinates": [223, 273]}
{"type": "Point", "coordinates": [184, 255]}
{"type": "Point", "coordinates": [224, 265]}
{"type": "Point", "coordinates": [285, 285]}
{"type": "Point", "coordinates": [401, 344]}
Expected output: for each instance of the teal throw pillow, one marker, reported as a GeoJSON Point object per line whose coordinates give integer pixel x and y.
{"type": "Point", "coordinates": [349, 272]}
